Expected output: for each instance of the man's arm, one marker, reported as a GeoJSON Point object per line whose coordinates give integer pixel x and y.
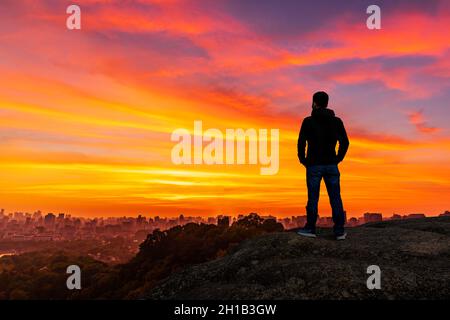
{"type": "Point", "coordinates": [343, 141]}
{"type": "Point", "coordinates": [301, 144]}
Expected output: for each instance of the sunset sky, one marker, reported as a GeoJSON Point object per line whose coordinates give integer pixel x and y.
{"type": "Point", "coordinates": [86, 115]}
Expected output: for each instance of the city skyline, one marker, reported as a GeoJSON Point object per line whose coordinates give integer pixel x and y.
{"type": "Point", "coordinates": [40, 227]}
{"type": "Point", "coordinates": [86, 115]}
{"type": "Point", "coordinates": [40, 213]}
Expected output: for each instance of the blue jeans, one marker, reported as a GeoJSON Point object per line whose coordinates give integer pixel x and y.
{"type": "Point", "coordinates": [331, 175]}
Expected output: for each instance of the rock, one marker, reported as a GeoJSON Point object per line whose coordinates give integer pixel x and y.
{"type": "Point", "coordinates": [413, 256]}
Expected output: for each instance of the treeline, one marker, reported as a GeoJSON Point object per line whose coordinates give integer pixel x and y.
{"type": "Point", "coordinates": [119, 248]}
{"type": "Point", "coordinates": [43, 275]}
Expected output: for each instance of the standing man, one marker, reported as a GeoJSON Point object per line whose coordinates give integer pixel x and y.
{"type": "Point", "coordinates": [320, 132]}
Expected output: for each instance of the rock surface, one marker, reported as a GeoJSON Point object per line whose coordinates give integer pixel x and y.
{"type": "Point", "coordinates": [414, 257]}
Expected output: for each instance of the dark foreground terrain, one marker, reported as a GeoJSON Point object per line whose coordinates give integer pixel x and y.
{"type": "Point", "coordinates": [414, 257]}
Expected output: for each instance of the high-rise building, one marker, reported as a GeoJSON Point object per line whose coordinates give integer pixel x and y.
{"type": "Point", "coordinates": [140, 220]}
{"type": "Point", "coordinates": [49, 219]}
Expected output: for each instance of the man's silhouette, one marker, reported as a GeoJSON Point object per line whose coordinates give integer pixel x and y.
{"type": "Point", "coordinates": [321, 131]}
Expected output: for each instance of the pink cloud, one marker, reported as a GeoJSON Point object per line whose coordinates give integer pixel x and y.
{"type": "Point", "coordinates": [417, 118]}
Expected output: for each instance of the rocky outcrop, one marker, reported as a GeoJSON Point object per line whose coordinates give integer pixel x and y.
{"type": "Point", "coordinates": [413, 255]}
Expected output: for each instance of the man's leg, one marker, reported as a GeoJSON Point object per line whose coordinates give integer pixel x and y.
{"type": "Point", "coordinates": [313, 178]}
{"type": "Point", "coordinates": [332, 177]}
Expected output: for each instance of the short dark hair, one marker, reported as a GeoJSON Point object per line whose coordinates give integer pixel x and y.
{"type": "Point", "coordinates": [321, 99]}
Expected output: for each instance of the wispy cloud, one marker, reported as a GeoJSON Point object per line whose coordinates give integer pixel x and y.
{"type": "Point", "coordinates": [418, 120]}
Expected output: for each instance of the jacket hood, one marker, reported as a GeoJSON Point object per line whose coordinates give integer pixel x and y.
{"type": "Point", "coordinates": [322, 112]}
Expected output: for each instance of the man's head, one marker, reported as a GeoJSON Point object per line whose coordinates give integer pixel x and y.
{"type": "Point", "coordinates": [320, 100]}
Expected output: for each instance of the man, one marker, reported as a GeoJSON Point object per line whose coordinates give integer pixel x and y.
{"type": "Point", "coordinates": [322, 130]}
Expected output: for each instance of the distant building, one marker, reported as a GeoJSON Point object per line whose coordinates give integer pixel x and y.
{"type": "Point", "coordinates": [325, 221]}
{"type": "Point", "coordinates": [415, 216]}
{"type": "Point", "coordinates": [211, 220]}
{"type": "Point", "coordinates": [140, 220]}
{"type": "Point", "coordinates": [269, 217]}
{"type": "Point", "coordinates": [49, 219]}
{"type": "Point", "coordinates": [372, 217]}
{"type": "Point", "coordinates": [396, 217]}
{"type": "Point", "coordinates": [299, 221]}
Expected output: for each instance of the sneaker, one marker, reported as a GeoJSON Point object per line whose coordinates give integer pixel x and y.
{"type": "Point", "coordinates": [341, 236]}
{"type": "Point", "coordinates": [306, 233]}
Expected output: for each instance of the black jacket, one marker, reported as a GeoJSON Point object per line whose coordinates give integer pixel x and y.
{"type": "Point", "coordinates": [322, 130]}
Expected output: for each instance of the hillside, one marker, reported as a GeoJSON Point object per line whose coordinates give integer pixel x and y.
{"type": "Point", "coordinates": [414, 257]}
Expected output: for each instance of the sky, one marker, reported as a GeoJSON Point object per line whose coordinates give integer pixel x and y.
{"type": "Point", "coordinates": [86, 116]}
